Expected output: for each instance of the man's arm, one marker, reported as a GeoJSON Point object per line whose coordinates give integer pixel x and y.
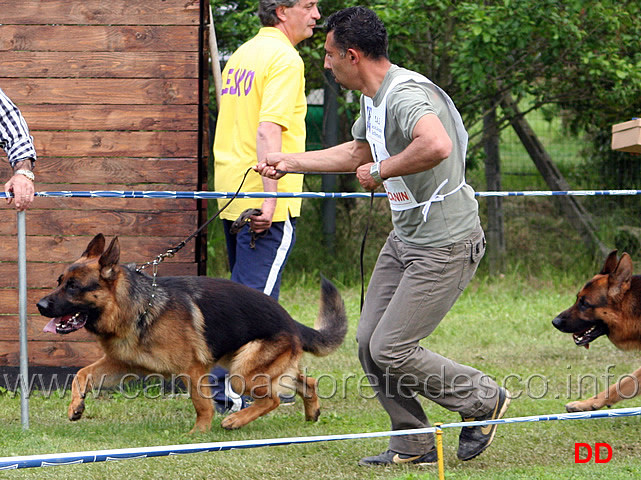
{"type": "Point", "coordinates": [268, 140]}
{"type": "Point", "coordinates": [430, 145]}
{"type": "Point", "coordinates": [15, 139]}
{"type": "Point", "coordinates": [345, 157]}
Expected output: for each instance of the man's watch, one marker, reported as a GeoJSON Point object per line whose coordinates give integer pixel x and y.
{"type": "Point", "coordinates": [375, 172]}
{"type": "Point", "coordinates": [27, 173]}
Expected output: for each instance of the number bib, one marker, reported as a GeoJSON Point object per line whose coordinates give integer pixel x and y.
{"type": "Point", "coordinates": [398, 193]}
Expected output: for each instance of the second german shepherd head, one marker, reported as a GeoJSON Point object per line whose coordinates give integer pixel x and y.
{"type": "Point", "coordinates": [609, 304]}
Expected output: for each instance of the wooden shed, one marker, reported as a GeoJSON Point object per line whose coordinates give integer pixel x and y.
{"type": "Point", "coordinates": [115, 95]}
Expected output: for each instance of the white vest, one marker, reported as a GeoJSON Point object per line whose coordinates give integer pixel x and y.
{"type": "Point", "coordinates": [398, 193]}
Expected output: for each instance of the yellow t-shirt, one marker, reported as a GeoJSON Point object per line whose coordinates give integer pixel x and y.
{"type": "Point", "coordinates": [263, 81]}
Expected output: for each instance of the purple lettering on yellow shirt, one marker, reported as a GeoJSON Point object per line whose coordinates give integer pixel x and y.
{"type": "Point", "coordinates": [229, 77]}
{"type": "Point", "coordinates": [239, 81]}
{"type": "Point", "coordinates": [249, 81]}
{"type": "Point", "coordinates": [238, 78]}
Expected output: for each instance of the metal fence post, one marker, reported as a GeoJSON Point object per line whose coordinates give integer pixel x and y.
{"type": "Point", "coordinates": [22, 299]}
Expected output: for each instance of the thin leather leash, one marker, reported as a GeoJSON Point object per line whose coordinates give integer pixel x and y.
{"type": "Point", "coordinates": [362, 257]}
{"type": "Point", "coordinates": [172, 251]}
{"type": "Point", "coordinates": [369, 218]}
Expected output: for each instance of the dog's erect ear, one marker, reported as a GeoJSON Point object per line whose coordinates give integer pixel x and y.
{"type": "Point", "coordinates": [619, 280]}
{"type": "Point", "coordinates": [610, 263]}
{"type": "Point", "coordinates": [109, 259]}
{"type": "Point", "coordinates": [95, 247]}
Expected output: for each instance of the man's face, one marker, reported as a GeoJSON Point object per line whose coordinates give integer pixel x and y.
{"type": "Point", "coordinates": [338, 63]}
{"type": "Point", "coordinates": [301, 20]}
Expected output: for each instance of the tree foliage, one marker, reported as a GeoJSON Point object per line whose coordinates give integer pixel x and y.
{"type": "Point", "coordinates": [575, 58]}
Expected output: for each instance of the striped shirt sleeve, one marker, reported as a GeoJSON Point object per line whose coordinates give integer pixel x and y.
{"type": "Point", "coordinates": [14, 132]}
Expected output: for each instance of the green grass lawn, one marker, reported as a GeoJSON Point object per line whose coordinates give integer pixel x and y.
{"type": "Point", "coordinates": [502, 326]}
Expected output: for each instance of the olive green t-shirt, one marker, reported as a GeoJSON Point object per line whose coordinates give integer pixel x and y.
{"type": "Point", "coordinates": [453, 219]}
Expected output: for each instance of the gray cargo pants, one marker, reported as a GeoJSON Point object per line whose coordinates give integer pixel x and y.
{"type": "Point", "coordinates": [410, 292]}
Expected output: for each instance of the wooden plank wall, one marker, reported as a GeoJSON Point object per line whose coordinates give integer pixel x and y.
{"type": "Point", "coordinates": [115, 98]}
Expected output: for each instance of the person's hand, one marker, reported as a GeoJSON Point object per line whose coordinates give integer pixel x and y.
{"type": "Point", "coordinates": [262, 222]}
{"type": "Point", "coordinates": [365, 178]}
{"type": "Point", "coordinates": [23, 191]}
{"type": "Point", "coordinates": [273, 166]}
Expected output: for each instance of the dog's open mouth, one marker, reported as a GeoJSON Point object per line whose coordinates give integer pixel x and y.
{"type": "Point", "coordinates": [66, 323]}
{"type": "Point", "coordinates": [583, 339]}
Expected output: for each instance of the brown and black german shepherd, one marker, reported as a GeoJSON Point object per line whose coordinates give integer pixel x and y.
{"type": "Point", "coordinates": [186, 325]}
{"type": "Point", "coordinates": [609, 304]}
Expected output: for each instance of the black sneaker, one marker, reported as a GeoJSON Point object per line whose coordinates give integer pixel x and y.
{"type": "Point", "coordinates": [474, 440]}
{"type": "Point", "coordinates": [287, 399]}
{"type": "Point", "coordinates": [391, 457]}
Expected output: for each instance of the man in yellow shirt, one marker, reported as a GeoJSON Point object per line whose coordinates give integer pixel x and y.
{"type": "Point", "coordinates": [262, 110]}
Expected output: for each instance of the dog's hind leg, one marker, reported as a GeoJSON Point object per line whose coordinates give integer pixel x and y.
{"type": "Point", "coordinates": [260, 406]}
{"type": "Point", "coordinates": [262, 387]}
{"type": "Point", "coordinates": [306, 388]}
{"type": "Point", "coordinates": [261, 369]}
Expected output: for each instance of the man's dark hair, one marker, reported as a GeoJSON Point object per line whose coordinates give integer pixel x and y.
{"type": "Point", "coordinates": [358, 28]}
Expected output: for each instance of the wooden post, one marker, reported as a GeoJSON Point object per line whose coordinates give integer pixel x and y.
{"type": "Point", "coordinates": [495, 233]}
{"type": "Point", "coordinates": [215, 59]}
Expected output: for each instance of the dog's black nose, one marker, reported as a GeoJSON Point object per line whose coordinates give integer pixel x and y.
{"type": "Point", "coordinates": [559, 323]}
{"type": "Point", "coordinates": [43, 306]}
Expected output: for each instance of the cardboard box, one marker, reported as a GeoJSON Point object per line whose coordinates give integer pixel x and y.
{"type": "Point", "coordinates": [626, 136]}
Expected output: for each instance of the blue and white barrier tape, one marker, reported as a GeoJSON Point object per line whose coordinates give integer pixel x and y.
{"type": "Point", "coordinates": [206, 195]}
{"type": "Point", "coordinates": [50, 460]}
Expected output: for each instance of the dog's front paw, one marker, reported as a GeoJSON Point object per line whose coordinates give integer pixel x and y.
{"type": "Point", "coordinates": [76, 410]}
{"type": "Point", "coordinates": [582, 406]}
{"type": "Point", "coordinates": [233, 422]}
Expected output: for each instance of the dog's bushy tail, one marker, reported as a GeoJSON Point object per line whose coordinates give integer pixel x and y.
{"type": "Point", "coordinates": [330, 326]}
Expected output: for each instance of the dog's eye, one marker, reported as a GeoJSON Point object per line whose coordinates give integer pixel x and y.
{"type": "Point", "coordinates": [71, 285]}
{"type": "Point", "coordinates": [584, 304]}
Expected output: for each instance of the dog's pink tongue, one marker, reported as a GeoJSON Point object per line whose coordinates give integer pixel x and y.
{"type": "Point", "coordinates": [51, 326]}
